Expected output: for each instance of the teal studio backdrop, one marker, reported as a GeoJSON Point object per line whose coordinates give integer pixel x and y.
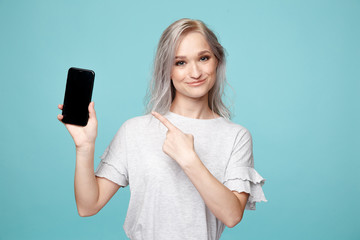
{"type": "Point", "coordinates": [294, 68]}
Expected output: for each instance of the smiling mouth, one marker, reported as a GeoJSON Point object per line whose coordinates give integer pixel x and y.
{"type": "Point", "coordinates": [196, 83]}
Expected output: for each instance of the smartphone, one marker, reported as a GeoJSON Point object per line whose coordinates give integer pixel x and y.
{"type": "Point", "coordinates": [78, 92]}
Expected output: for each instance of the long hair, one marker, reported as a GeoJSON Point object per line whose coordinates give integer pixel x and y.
{"type": "Point", "coordinates": [161, 91]}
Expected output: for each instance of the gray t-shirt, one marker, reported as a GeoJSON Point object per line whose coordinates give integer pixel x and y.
{"type": "Point", "coordinates": [164, 204]}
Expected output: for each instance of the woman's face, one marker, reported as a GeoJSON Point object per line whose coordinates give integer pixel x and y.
{"type": "Point", "coordinates": [194, 71]}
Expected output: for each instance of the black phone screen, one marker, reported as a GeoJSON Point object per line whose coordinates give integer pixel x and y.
{"type": "Point", "coordinates": [78, 92]}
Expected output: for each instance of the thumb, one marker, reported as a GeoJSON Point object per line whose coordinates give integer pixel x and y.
{"type": "Point", "coordinates": [92, 113]}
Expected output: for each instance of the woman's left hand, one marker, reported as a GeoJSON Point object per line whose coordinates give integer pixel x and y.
{"type": "Point", "coordinates": [178, 145]}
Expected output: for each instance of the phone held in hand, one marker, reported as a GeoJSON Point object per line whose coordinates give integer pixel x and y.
{"type": "Point", "coordinates": [78, 92]}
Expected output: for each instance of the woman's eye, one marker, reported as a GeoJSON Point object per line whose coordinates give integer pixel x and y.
{"type": "Point", "coordinates": [179, 63]}
{"type": "Point", "coordinates": [205, 58]}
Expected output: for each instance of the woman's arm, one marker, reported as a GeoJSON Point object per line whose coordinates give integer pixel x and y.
{"type": "Point", "coordinates": [91, 193]}
{"type": "Point", "coordinates": [226, 205]}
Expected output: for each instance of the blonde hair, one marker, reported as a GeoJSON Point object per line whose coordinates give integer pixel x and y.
{"type": "Point", "coordinates": [161, 91]}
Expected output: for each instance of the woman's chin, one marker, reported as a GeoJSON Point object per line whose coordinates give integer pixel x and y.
{"type": "Point", "coordinates": [197, 94]}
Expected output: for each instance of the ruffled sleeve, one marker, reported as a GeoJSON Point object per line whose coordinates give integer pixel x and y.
{"type": "Point", "coordinates": [240, 174]}
{"type": "Point", "coordinates": [113, 164]}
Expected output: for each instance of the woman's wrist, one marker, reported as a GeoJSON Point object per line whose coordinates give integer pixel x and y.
{"type": "Point", "coordinates": [190, 160]}
{"type": "Point", "coordinates": [86, 148]}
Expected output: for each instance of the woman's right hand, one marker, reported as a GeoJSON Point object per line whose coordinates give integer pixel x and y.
{"type": "Point", "coordinates": [84, 137]}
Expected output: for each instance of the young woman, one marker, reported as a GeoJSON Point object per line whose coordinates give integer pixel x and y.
{"type": "Point", "coordinates": [189, 168]}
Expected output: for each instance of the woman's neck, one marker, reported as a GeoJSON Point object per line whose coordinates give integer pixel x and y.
{"type": "Point", "coordinates": [197, 108]}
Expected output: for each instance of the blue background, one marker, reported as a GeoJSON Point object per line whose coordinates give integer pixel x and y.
{"type": "Point", "coordinates": [295, 70]}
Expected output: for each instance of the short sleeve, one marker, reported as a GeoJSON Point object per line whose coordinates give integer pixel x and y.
{"type": "Point", "coordinates": [113, 164]}
{"type": "Point", "coordinates": [240, 174]}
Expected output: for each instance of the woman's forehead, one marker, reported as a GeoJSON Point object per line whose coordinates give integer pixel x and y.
{"type": "Point", "coordinates": [192, 43]}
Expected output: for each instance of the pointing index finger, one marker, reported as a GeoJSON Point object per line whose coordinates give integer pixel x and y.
{"type": "Point", "coordinates": [164, 121]}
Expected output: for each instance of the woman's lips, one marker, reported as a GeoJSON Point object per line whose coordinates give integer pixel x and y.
{"type": "Point", "coordinates": [196, 83]}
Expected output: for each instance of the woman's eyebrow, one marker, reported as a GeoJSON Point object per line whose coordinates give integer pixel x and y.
{"type": "Point", "coordinates": [181, 57]}
{"type": "Point", "coordinates": [200, 53]}
{"type": "Point", "coordinates": [203, 52]}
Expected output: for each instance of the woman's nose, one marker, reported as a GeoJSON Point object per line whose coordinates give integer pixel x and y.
{"type": "Point", "coordinates": [195, 71]}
